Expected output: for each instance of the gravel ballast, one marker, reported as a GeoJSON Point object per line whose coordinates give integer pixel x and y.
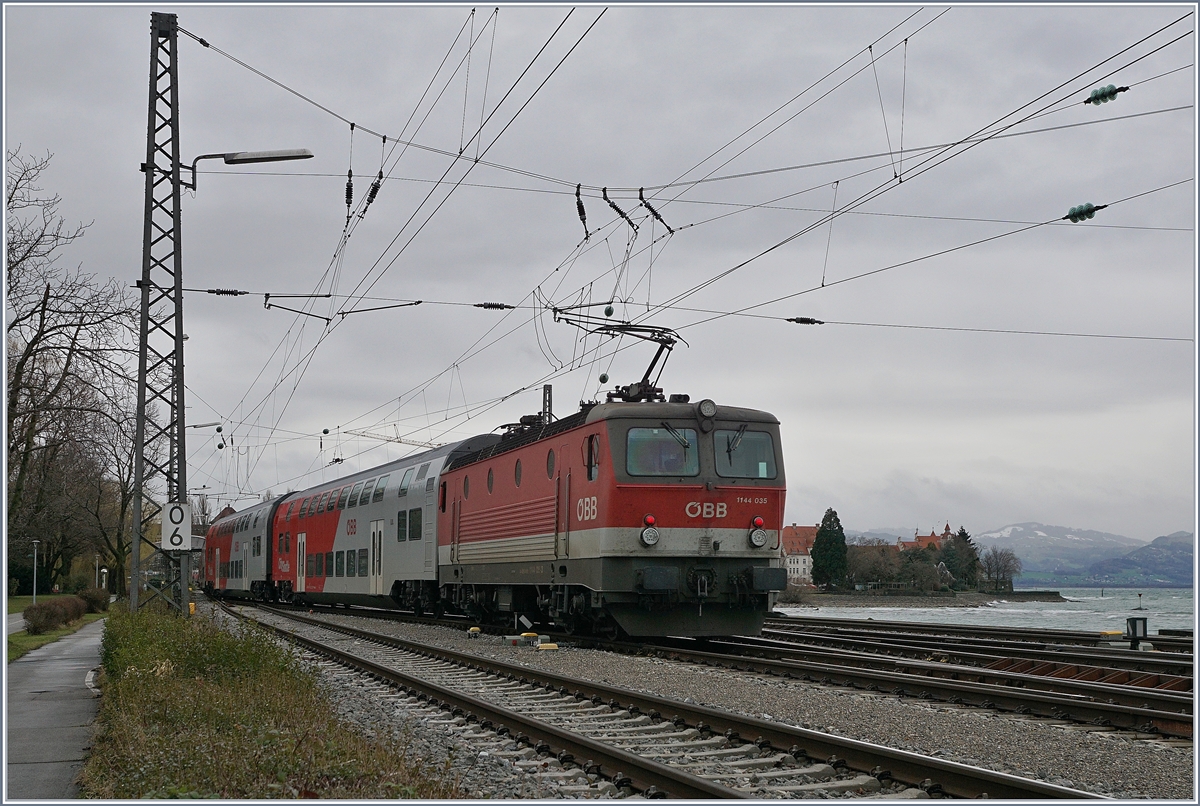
{"type": "Point", "coordinates": [1110, 763]}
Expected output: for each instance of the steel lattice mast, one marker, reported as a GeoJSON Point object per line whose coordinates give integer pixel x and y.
{"type": "Point", "coordinates": [159, 450]}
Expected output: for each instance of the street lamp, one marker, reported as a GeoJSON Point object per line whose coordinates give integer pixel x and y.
{"type": "Point", "coordinates": [104, 578]}
{"type": "Point", "coordinates": [35, 545]}
{"type": "Point", "coordinates": [244, 157]}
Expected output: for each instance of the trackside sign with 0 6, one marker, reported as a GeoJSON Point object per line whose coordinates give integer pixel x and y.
{"type": "Point", "coordinates": [177, 527]}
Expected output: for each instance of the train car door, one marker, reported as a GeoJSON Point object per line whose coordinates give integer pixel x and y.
{"type": "Point", "coordinates": [562, 537]}
{"type": "Point", "coordinates": [430, 521]}
{"type": "Point", "coordinates": [300, 558]}
{"type": "Point", "coordinates": [377, 557]}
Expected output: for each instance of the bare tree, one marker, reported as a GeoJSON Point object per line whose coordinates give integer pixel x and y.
{"type": "Point", "coordinates": [1000, 565]}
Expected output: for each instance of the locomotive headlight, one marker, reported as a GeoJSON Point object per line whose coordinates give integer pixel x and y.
{"type": "Point", "coordinates": [758, 538]}
{"type": "Point", "coordinates": [707, 408]}
{"type": "Point", "coordinates": [650, 536]}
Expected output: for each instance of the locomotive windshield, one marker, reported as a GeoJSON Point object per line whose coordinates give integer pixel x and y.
{"type": "Point", "coordinates": [665, 451]}
{"type": "Point", "coordinates": [743, 454]}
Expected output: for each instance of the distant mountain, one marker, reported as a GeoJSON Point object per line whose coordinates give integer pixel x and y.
{"type": "Point", "coordinates": [1165, 562]}
{"type": "Point", "coordinates": [886, 534]}
{"type": "Point", "coordinates": [1050, 553]}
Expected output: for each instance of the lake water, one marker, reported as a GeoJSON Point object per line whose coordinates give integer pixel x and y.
{"type": "Point", "coordinates": [1085, 609]}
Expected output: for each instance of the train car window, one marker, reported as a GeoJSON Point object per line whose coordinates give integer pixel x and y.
{"type": "Point", "coordinates": [424, 469]}
{"type": "Point", "coordinates": [333, 496]}
{"type": "Point", "coordinates": [280, 543]}
{"type": "Point", "coordinates": [408, 474]}
{"type": "Point", "coordinates": [304, 508]}
{"type": "Point", "coordinates": [256, 514]}
{"type": "Point", "coordinates": [401, 527]}
{"type": "Point", "coordinates": [466, 486]}
{"type": "Point", "coordinates": [743, 454]}
{"type": "Point", "coordinates": [354, 495]}
{"type": "Point", "coordinates": [320, 564]}
{"type": "Point", "coordinates": [429, 484]}
{"type": "Point", "coordinates": [339, 564]}
{"type": "Point", "coordinates": [350, 564]}
{"type": "Point", "coordinates": [517, 473]}
{"type": "Point", "coordinates": [442, 498]}
{"type": "Point", "coordinates": [490, 481]}
{"type": "Point", "coordinates": [310, 565]}
{"type": "Point", "coordinates": [662, 452]}
{"type": "Point", "coordinates": [256, 547]}
{"type": "Point", "coordinates": [550, 463]}
{"type": "Point", "coordinates": [362, 562]}
{"type": "Point", "coordinates": [321, 503]}
{"type": "Point", "coordinates": [364, 497]}
{"type": "Point", "coordinates": [380, 486]}
{"type": "Point", "coordinates": [593, 457]}
{"type": "Point", "coordinates": [414, 524]}
{"type": "Point", "coordinates": [342, 498]}
{"type": "Point", "coordinates": [287, 542]}
{"type": "Point", "coordinates": [329, 563]}
{"type": "Point", "coordinates": [288, 516]}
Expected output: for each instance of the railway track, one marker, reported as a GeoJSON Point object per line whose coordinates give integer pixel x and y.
{"type": "Point", "coordinates": [1066, 688]}
{"type": "Point", "coordinates": [640, 743]}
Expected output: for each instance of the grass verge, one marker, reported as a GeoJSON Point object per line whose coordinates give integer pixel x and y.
{"type": "Point", "coordinates": [190, 710]}
{"type": "Point", "coordinates": [17, 604]}
{"type": "Point", "coordinates": [20, 643]}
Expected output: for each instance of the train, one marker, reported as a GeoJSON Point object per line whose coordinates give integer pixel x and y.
{"type": "Point", "coordinates": [642, 518]}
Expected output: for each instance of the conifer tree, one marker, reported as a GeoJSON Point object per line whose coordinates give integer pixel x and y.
{"type": "Point", "coordinates": [829, 551]}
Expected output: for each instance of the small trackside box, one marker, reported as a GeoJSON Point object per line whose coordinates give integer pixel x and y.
{"type": "Point", "coordinates": [769, 579]}
{"type": "Point", "coordinates": [660, 578]}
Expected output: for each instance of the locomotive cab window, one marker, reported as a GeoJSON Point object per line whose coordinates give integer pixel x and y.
{"type": "Point", "coordinates": [665, 451]}
{"type": "Point", "coordinates": [743, 454]}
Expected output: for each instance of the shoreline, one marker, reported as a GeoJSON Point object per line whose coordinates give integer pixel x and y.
{"type": "Point", "coordinates": [970, 599]}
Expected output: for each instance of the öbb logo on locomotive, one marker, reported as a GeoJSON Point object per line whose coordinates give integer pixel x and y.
{"type": "Point", "coordinates": [633, 473]}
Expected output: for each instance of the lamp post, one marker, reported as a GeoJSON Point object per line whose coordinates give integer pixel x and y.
{"type": "Point", "coordinates": [35, 545]}
{"type": "Point", "coordinates": [104, 578]}
{"type": "Point", "coordinates": [97, 570]}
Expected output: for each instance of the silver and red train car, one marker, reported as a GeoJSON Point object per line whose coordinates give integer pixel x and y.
{"type": "Point", "coordinates": [647, 518]}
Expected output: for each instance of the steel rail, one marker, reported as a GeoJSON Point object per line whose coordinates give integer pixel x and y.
{"type": "Point", "coordinates": [648, 776]}
{"type": "Point", "coordinates": [975, 662]}
{"type": "Point", "coordinates": [1162, 699]}
{"type": "Point", "coordinates": [1079, 637]}
{"type": "Point", "coordinates": [933, 774]}
{"type": "Point", "coordinates": [1163, 662]}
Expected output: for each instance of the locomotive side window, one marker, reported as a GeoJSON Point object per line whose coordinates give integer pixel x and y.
{"type": "Point", "coordinates": [593, 457]}
{"type": "Point", "coordinates": [662, 452]}
{"type": "Point", "coordinates": [342, 498]}
{"type": "Point", "coordinates": [404, 482]}
{"type": "Point", "coordinates": [466, 486]}
{"type": "Point", "coordinates": [442, 497]}
{"type": "Point", "coordinates": [362, 562]}
{"type": "Point", "coordinates": [517, 473]}
{"type": "Point", "coordinates": [380, 486]}
{"type": "Point", "coordinates": [490, 481]}
{"type": "Point", "coordinates": [414, 524]}
{"type": "Point", "coordinates": [354, 495]}
{"type": "Point", "coordinates": [350, 566]}
{"type": "Point", "coordinates": [401, 527]}
{"type": "Point", "coordinates": [743, 454]}
{"type": "Point", "coordinates": [340, 564]}
{"type": "Point", "coordinates": [550, 464]}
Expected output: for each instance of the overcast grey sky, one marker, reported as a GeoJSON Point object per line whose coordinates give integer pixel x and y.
{"type": "Point", "coordinates": [892, 427]}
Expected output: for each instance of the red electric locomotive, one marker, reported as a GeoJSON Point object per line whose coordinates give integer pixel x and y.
{"type": "Point", "coordinates": [647, 518]}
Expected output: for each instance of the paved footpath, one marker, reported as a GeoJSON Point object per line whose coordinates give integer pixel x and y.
{"type": "Point", "coordinates": [50, 715]}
